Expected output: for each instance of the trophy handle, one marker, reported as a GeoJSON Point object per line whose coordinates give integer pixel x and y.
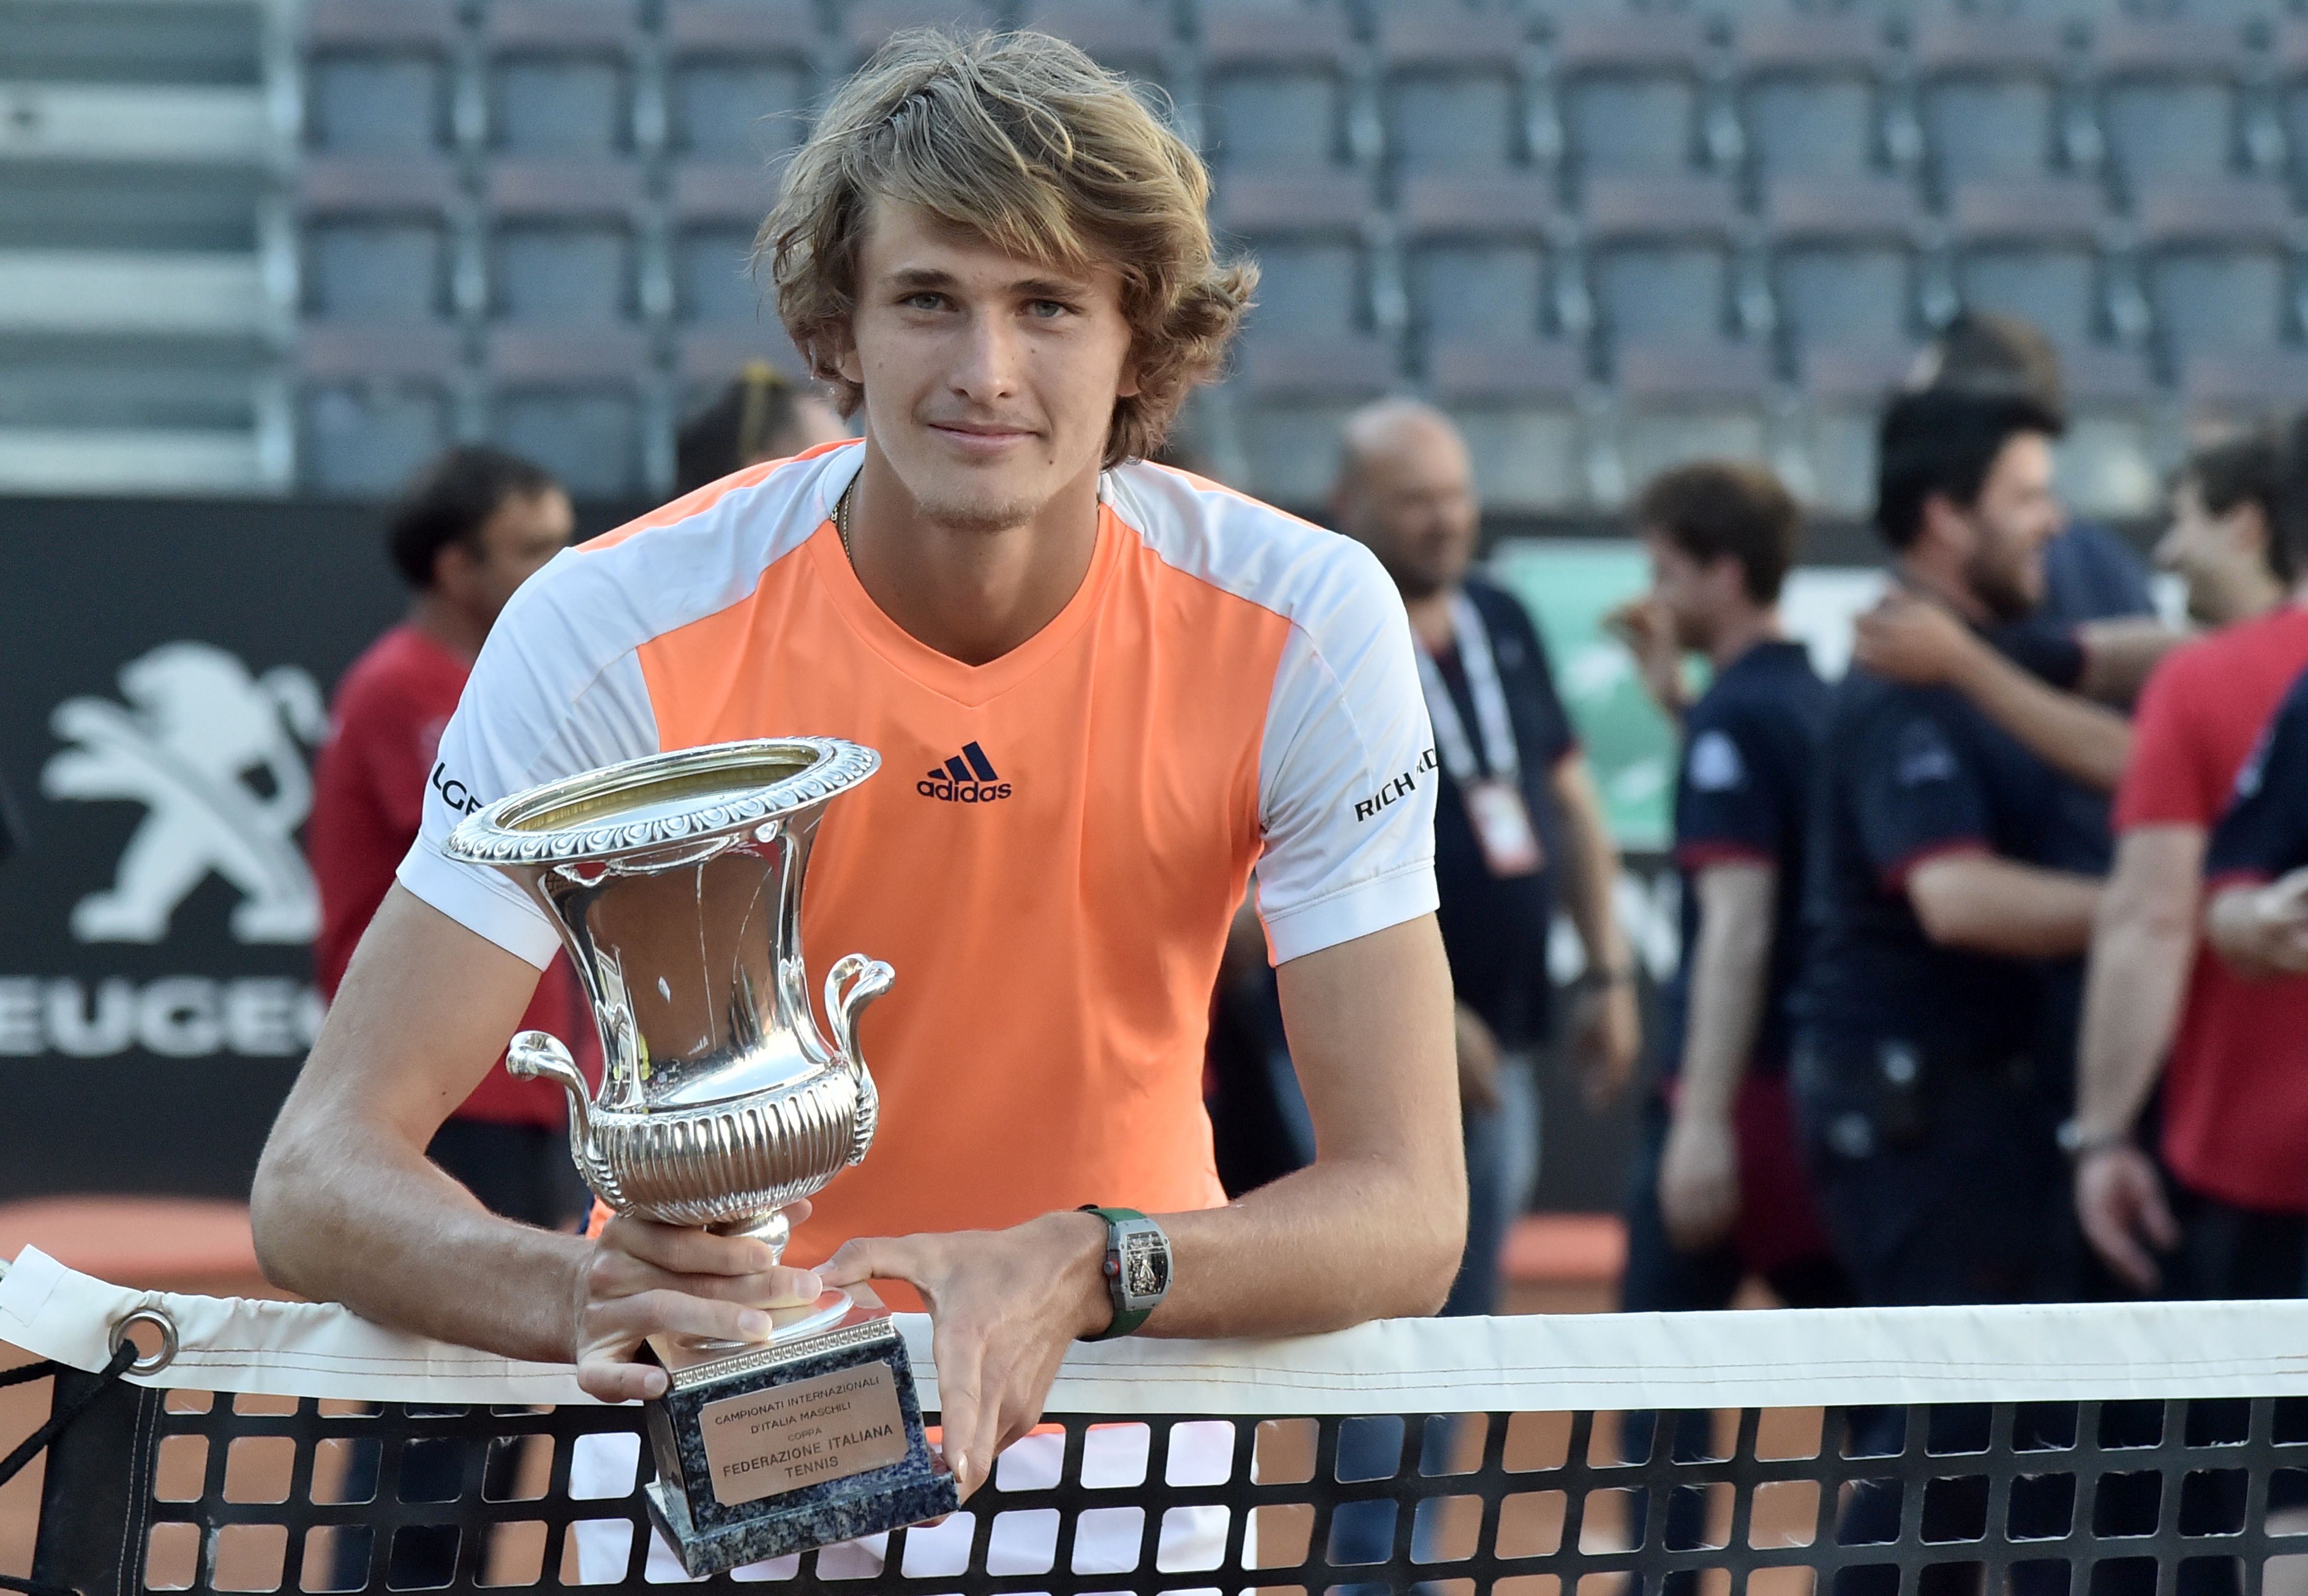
{"type": "Point", "coordinates": [867, 980]}
{"type": "Point", "coordinates": [533, 1054]}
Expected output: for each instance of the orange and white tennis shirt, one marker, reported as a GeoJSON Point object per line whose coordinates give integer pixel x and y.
{"type": "Point", "coordinates": [1054, 847]}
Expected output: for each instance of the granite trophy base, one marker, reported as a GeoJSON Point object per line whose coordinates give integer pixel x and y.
{"type": "Point", "coordinates": [798, 1442]}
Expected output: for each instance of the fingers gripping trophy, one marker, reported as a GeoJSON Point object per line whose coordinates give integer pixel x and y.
{"type": "Point", "coordinates": [675, 884]}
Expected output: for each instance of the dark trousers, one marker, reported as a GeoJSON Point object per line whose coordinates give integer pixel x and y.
{"type": "Point", "coordinates": [522, 1171]}
{"type": "Point", "coordinates": [1939, 1177]}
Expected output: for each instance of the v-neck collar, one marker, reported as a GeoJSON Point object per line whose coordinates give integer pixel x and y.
{"type": "Point", "coordinates": [968, 684]}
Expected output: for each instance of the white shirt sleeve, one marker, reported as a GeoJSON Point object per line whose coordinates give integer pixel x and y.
{"type": "Point", "coordinates": [1347, 772]}
{"type": "Point", "coordinates": [553, 693]}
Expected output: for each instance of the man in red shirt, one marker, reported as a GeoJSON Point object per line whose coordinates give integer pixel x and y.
{"type": "Point", "coordinates": [2235, 1220]}
{"type": "Point", "coordinates": [468, 532]}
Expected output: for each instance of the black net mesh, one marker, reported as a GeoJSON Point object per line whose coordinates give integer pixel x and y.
{"type": "Point", "coordinates": [182, 1490]}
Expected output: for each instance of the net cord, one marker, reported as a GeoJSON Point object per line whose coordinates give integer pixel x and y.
{"type": "Point", "coordinates": [2099, 1351]}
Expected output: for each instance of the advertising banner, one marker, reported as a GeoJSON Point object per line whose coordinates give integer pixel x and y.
{"type": "Point", "coordinates": [168, 673]}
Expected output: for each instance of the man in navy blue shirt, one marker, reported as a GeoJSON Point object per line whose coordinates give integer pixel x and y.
{"type": "Point", "coordinates": [1517, 818]}
{"type": "Point", "coordinates": [1947, 873]}
{"type": "Point", "coordinates": [1718, 1192]}
{"type": "Point", "coordinates": [2256, 862]}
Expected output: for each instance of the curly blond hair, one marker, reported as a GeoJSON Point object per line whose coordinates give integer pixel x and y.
{"type": "Point", "coordinates": [1022, 140]}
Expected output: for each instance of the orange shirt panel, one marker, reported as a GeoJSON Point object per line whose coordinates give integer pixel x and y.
{"type": "Point", "coordinates": [1056, 943]}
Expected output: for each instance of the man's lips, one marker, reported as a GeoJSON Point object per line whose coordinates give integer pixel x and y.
{"type": "Point", "coordinates": [980, 436]}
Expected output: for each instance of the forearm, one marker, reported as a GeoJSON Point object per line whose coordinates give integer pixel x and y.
{"type": "Point", "coordinates": [2132, 1006]}
{"type": "Point", "coordinates": [1726, 1011]}
{"type": "Point", "coordinates": [2238, 932]}
{"type": "Point", "coordinates": [1334, 1244]}
{"type": "Point", "coordinates": [1988, 904]}
{"type": "Point", "coordinates": [345, 1214]}
{"type": "Point", "coordinates": [2082, 740]}
{"type": "Point", "coordinates": [2119, 655]}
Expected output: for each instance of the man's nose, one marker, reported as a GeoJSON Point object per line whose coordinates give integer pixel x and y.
{"type": "Point", "coordinates": [988, 365]}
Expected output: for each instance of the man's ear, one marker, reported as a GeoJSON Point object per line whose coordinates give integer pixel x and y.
{"type": "Point", "coordinates": [453, 566]}
{"type": "Point", "coordinates": [1942, 523]}
{"type": "Point", "coordinates": [845, 360]}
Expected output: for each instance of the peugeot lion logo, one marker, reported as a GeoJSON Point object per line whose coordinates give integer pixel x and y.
{"type": "Point", "coordinates": [195, 723]}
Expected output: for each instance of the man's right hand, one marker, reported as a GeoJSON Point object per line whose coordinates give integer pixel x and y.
{"type": "Point", "coordinates": [1479, 1061]}
{"type": "Point", "coordinates": [2120, 1200]}
{"type": "Point", "coordinates": [1698, 1182]}
{"type": "Point", "coordinates": [644, 1278]}
{"type": "Point", "coordinates": [2262, 931]}
{"type": "Point", "coordinates": [1643, 625]}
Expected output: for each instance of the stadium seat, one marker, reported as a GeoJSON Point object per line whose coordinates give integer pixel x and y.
{"type": "Point", "coordinates": [1453, 92]}
{"type": "Point", "coordinates": [1135, 37]}
{"type": "Point", "coordinates": [377, 239]}
{"type": "Point", "coordinates": [2227, 391]}
{"type": "Point", "coordinates": [579, 404]}
{"type": "Point", "coordinates": [1990, 90]}
{"type": "Point", "coordinates": [563, 244]}
{"type": "Point", "coordinates": [1810, 94]}
{"type": "Point", "coordinates": [1844, 393]}
{"type": "Point", "coordinates": [1686, 401]}
{"type": "Point", "coordinates": [378, 76]}
{"type": "Point", "coordinates": [1308, 233]}
{"type": "Point", "coordinates": [1522, 407]}
{"type": "Point", "coordinates": [870, 23]}
{"type": "Point", "coordinates": [1277, 86]}
{"type": "Point", "coordinates": [2288, 63]}
{"type": "Point", "coordinates": [1291, 398]}
{"type": "Point", "coordinates": [2170, 98]}
{"type": "Point", "coordinates": [2216, 257]}
{"type": "Point", "coordinates": [1475, 252]}
{"type": "Point", "coordinates": [374, 404]}
{"type": "Point", "coordinates": [1844, 259]}
{"type": "Point", "coordinates": [717, 211]}
{"type": "Point", "coordinates": [1632, 91]}
{"type": "Point", "coordinates": [1660, 260]}
{"type": "Point", "coordinates": [561, 78]}
{"type": "Point", "coordinates": [2033, 250]}
{"type": "Point", "coordinates": [739, 78]}
{"type": "Point", "coordinates": [2108, 460]}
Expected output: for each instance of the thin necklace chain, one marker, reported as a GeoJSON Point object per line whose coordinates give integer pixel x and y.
{"type": "Point", "coordinates": [841, 523]}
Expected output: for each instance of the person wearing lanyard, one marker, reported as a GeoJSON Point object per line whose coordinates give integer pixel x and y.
{"type": "Point", "coordinates": [1516, 812]}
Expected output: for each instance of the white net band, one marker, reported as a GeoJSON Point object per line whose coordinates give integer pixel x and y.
{"type": "Point", "coordinates": [1592, 1362]}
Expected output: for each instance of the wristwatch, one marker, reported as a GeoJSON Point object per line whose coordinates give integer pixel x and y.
{"type": "Point", "coordinates": [1137, 1267]}
{"type": "Point", "coordinates": [2079, 1143]}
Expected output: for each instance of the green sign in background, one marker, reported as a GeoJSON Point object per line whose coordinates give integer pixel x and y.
{"type": "Point", "coordinates": [1570, 584]}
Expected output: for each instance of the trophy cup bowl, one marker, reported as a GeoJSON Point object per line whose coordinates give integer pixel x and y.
{"type": "Point", "coordinates": [675, 881]}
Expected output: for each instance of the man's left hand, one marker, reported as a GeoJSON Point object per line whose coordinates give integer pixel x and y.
{"type": "Point", "coordinates": [1606, 1035]}
{"type": "Point", "coordinates": [1911, 639]}
{"type": "Point", "coordinates": [1004, 1306]}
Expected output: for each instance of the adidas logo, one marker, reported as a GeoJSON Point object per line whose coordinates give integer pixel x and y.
{"type": "Point", "coordinates": [968, 778]}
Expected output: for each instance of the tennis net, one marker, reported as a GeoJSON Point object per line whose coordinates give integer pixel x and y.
{"type": "Point", "coordinates": [2131, 1450]}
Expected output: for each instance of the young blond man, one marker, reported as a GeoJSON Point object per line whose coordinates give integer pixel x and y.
{"type": "Point", "coordinates": [999, 259]}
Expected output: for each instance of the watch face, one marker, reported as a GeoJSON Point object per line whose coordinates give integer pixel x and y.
{"type": "Point", "coordinates": [1145, 1265]}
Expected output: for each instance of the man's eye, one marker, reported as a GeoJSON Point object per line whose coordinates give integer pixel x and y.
{"type": "Point", "coordinates": [1048, 309]}
{"type": "Point", "coordinates": [924, 301]}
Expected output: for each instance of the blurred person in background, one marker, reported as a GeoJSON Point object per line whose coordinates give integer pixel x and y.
{"type": "Point", "coordinates": [760, 416]}
{"type": "Point", "coordinates": [2220, 1209]}
{"type": "Point", "coordinates": [1946, 875]}
{"type": "Point", "coordinates": [470, 529]}
{"type": "Point", "coordinates": [1718, 1192]}
{"type": "Point", "coordinates": [1516, 814]}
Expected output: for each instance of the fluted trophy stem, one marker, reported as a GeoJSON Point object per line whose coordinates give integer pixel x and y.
{"type": "Point", "coordinates": [770, 1228]}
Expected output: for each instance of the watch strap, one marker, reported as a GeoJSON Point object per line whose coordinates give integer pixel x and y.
{"type": "Point", "coordinates": [1126, 1318]}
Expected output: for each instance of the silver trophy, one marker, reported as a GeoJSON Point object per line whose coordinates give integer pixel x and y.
{"type": "Point", "coordinates": [675, 883]}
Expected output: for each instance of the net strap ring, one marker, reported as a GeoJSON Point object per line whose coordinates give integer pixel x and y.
{"type": "Point", "coordinates": [160, 1319]}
